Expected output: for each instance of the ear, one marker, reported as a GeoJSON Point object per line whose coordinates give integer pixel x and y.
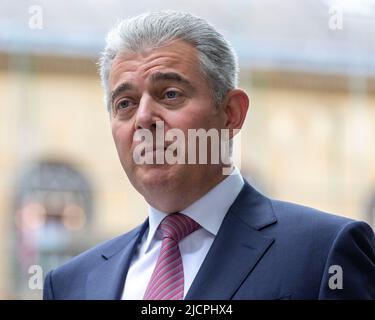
{"type": "Point", "coordinates": [235, 109]}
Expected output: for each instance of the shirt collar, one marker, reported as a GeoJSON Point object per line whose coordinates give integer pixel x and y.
{"type": "Point", "coordinates": [209, 211]}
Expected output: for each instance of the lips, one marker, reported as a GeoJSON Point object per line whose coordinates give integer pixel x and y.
{"type": "Point", "coordinates": [154, 149]}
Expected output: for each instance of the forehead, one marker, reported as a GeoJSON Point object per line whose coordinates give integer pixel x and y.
{"type": "Point", "coordinates": [178, 56]}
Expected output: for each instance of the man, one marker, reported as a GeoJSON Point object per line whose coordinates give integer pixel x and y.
{"type": "Point", "coordinates": [208, 235]}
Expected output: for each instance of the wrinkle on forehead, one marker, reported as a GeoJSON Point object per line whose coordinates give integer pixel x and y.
{"type": "Point", "coordinates": [178, 55]}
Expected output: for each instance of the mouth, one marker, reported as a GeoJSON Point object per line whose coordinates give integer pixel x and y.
{"type": "Point", "coordinates": [154, 154]}
{"type": "Point", "coordinates": [154, 150]}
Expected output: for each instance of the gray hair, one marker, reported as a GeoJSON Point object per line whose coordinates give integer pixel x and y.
{"type": "Point", "coordinates": [217, 59]}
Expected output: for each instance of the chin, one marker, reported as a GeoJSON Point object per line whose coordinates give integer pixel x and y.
{"type": "Point", "coordinates": [153, 177]}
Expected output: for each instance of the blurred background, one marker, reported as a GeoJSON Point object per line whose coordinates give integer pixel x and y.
{"type": "Point", "coordinates": [307, 65]}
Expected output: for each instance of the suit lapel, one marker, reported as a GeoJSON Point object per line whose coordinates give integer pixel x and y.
{"type": "Point", "coordinates": [238, 247]}
{"type": "Point", "coordinates": [106, 281]}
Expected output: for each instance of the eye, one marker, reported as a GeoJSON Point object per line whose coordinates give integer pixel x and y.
{"type": "Point", "coordinates": [171, 94]}
{"type": "Point", "coordinates": [123, 104]}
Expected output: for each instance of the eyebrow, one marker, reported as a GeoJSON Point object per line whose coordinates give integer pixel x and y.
{"type": "Point", "coordinates": [171, 76]}
{"type": "Point", "coordinates": [125, 86]}
{"type": "Point", "coordinates": [156, 77]}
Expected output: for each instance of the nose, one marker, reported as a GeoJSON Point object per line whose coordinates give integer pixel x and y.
{"type": "Point", "coordinates": [147, 114]}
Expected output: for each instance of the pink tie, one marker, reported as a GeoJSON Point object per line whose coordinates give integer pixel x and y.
{"type": "Point", "coordinates": [167, 280]}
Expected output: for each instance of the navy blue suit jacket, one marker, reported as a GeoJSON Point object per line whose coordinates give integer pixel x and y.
{"type": "Point", "coordinates": [265, 249]}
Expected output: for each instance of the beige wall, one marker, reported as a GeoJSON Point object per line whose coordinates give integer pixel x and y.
{"type": "Point", "coordinates": [6, 168]}
{"type": "Point", "coordinates": [313, 147]}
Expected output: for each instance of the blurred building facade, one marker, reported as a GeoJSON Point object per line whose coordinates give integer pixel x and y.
{"type": "Point", "coordinates": [308, 138]}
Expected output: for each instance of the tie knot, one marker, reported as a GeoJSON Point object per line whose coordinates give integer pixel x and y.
{"type": "Point", "coordinates": [177, 226]}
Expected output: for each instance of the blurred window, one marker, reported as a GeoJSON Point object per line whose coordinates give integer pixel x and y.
{"type": "Point", "coordinates": [53, 201]}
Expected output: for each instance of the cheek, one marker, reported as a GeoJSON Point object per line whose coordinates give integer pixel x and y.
{"type": "Point", "coordinates": [194, 118]}
{"type": "Point", "coordinates": [122, 137]}
{"type": "Point", "coordinates": [199, 120]}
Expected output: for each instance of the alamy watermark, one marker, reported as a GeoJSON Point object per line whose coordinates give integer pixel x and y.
{"type": "Point", "coordinates": [36, 17]}
{"type": "Point", "coordinates": [336, 280]}
{"type": "Point", "coordinates": [201, 146]}
{"type": "Point", "coordinates": [336, 14]}
{"type": "Point", "coordinates": [36, 277]}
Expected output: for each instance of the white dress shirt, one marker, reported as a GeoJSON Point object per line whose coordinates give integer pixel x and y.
{"type": "Point", "coordinates": [209, 211]}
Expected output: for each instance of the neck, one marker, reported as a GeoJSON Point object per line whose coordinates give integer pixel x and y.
{"type": "Point", "coordinates": [179, 197]}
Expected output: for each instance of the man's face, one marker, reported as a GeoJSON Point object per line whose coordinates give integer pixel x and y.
{"type": "Point", "coordinates": [163, 84]}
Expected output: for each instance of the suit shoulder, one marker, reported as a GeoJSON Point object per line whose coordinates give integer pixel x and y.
{"type": "Point", "coordinates": [303, 215]}
{"type": "Point", "coordinates": [303, 221]}
{"type": "Point", "coordinates": [315, 230]}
